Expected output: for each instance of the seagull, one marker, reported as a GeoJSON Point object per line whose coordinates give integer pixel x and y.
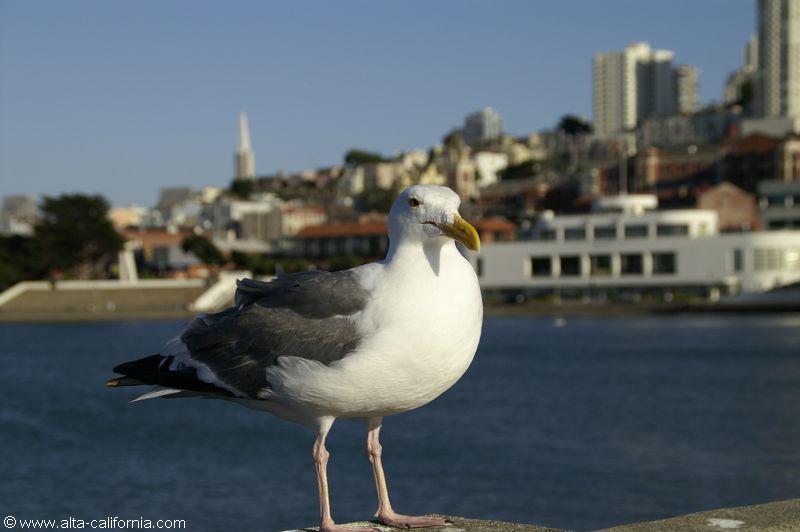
{"type": "Point", "coordinates": [364, 343]}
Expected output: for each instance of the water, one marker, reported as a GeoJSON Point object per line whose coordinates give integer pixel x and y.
{"type": "Point", "coordinates": [598, 422]}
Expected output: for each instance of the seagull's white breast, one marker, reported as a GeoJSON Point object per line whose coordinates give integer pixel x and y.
{"type": "Point", "coordinates": [420, 333]}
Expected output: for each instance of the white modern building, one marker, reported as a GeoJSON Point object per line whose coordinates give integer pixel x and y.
{"type": "Point", "coordinates": [778, 79]}
{"type": "Point", "coordinates": [628, 247]}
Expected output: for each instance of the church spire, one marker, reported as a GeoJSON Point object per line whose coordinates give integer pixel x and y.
{"type": "Point", "coordinates": [245, 159]}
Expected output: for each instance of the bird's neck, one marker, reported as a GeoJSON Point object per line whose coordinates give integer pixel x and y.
{"type": "Point", "coordinates": [429, 255]}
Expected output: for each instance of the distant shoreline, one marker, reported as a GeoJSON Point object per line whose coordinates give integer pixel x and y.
{"type": "Point", "coordinates": [636, 309]}
{"type": "Point", "coordinates": [493, 310]}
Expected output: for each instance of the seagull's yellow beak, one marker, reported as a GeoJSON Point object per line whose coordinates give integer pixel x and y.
{"type": "Point", "coordinates": [461, 231]}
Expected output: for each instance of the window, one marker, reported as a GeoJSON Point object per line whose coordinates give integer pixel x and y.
{"type": "Point", "coordinates": [605, 232]}
{"type": "Point", "coordinates": [541, 267]}
{"type": "Point", "coordinates": [600, 265]}
{"type": "Point", "coordinates": [767, 259]}
{"type": "Point", "coordinates": [777, 224]}
{"type": "Point", "coordinates": [636, 231]}
{"type": "Point", "coordinates": [664, 263]}
{"type": "Point", "coordinates": [547, 234]}
{"type": "Point", "coordinates": [570, 266]}
{"type": "Point", "coordinates": [672, 229]}
{"type": "Point", "coordinates": [776, 201]}
{"type": "Point", "coordinates": [793, 259]}
{"type": "Point", "coordinates": [738, 260]}
{"type": "Point", "coordinates": [631, 264]}
{"type": "Point", "coordinates": [575, 233]}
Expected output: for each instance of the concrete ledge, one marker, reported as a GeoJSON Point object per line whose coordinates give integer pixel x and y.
{"type": "Point", "coordinates": [780, 516]}
{"type": "Point", "coordinates": [777, 516]}
{"type": "Point", "coordinates": [459, 524]}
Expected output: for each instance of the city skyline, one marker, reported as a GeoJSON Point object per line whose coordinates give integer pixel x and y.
{"type": "Point", "coordinates": [145, 97]}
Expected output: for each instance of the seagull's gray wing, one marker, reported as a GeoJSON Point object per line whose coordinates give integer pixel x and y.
{"type": "Point", "coordinates": [307, 315]}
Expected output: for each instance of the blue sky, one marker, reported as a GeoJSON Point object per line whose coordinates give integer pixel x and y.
{"type": "Point", "coordinates": [121, 98]}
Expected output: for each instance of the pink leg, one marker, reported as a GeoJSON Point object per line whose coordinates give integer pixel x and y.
{"type": "Point", "coordinates": [385, 513]}
{"type": "Point", "coordinates": [321, 455]}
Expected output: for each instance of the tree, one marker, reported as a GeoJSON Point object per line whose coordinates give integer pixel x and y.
{"type": "Point", "coordinates": [203, 249]}
{"type": "Point", "coordinates": [574, 125]}
{"type": "Point", "coordinates": [378, 199]}
{"type": "Point", "coordinates": [75, 232]}
{"type": "Point", "coordinates": [356, 157]}
{"type": "Point", "coordinates": [242, 188]}
{"type": "Point", "coordinates": [747, 94]}
{"type": "Point", "coordinates": [20, 260]}
{"type": "Point", "coordinates": [521, 170]}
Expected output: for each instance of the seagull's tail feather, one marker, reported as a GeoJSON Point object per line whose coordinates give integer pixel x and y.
{"type": "Point", "coordinates": [179, 381]}
{"type": "Point", "coordinates": [168, 393]}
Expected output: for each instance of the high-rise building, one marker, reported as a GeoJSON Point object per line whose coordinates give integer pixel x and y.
{"type": "Point", "coordinates": [778, 79]}
{"type": "Point", "coordinates": [686, 79]}
{"type": "Point", "coordinates": [636, 82]}
{"type": "Point", "coordinates": [245, 159]}
{"type": "Point", "coordinates": [482, 127]}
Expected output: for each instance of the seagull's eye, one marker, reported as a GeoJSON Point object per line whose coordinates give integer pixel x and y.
{"type": "Point", "coordinates": [414, 202]}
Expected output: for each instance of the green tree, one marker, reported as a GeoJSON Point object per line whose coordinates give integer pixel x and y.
{"type": "Point", "coordinates": [203, 249]}
{"type": "Point", "coordinates": [75, 232]}
{"type": "Point", "coordinates": [377, 199]}
{"type": "Point", "coordinates": [574, 125]}
{"type": "Point", "coordinates": [747, 94]}
{"type": "Point", "coordinates": [520, 171]}
{"type": "Point", "coordinates": [242, 188]}
{"type": "Point", "coordinates": [356, 157]}
{"type": "Point", "coordinates": [20, 260]}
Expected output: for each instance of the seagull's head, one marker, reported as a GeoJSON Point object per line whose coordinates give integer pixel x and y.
{"type": "Point", "coordinates": [429, 214]}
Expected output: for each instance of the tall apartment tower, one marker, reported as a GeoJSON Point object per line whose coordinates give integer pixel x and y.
{"type": "Point", "coordinates": [778, 79]}
{"type": "Point", "coordinates": [686, 79]}
{"type": "Point", "coordinates": [632, 84]}
{"type": "Point", "coordinates": [244, 159]}
{"type": "Point", "coordinates": [614, 91]}
{"type": "Point", "coordinates": [482, 126]}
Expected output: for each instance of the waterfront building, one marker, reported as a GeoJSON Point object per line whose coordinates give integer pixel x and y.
{"type": "Point", "coordinates": [482, 127]}
{"type": "Point", "coordinates": [244, 159]}
{"type": "Point", "coordinates": [626, 248]}
{"type": "Point", "coordinates": [778, 87]}
{"type": "Point", "coordinates": [365, 238]}
{"type": "Point", "coordinates": [754, 158]}
{"type": "Point", "coordinates": [736, 209]}
{"type": "Point", "coordinates": [779, 204]}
